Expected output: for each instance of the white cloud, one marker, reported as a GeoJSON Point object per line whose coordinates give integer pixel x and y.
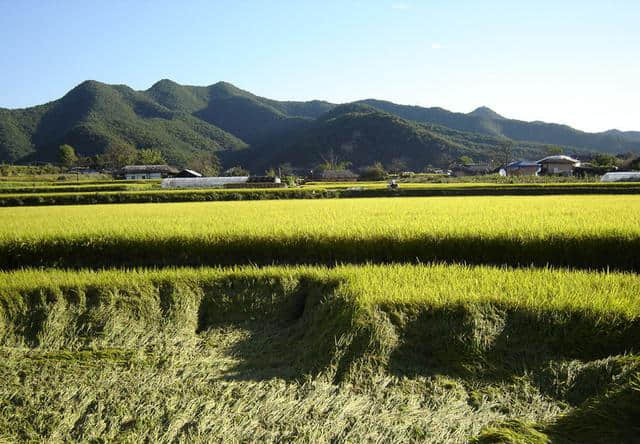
{"type": "Point", "coordinates": [436, 46]}
{"type": "Point", "coordinates": [400, 6]}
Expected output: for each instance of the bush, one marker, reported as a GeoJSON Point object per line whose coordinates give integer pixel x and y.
{"type": "Point", "coordinates": [373, 173]}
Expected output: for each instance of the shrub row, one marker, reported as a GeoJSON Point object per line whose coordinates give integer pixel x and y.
{"type": "Point", "coordinates": [67, 189]}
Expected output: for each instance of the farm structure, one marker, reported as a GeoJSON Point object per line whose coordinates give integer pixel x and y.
{"type": "Point", "coordinates": [223, 182]}
{"type": "Point", "coordinates": [626, 176]}
{"type": "Point", "coordinates": [259, 182]}
{"type": "Point", "coordinates": [522, 168]}
{"type": "Point", "coordinates": [136, 172]}
{"type": "Point", "coordinates": [560, 165]}
{"type": "Point", "coordinates": [188, 173]}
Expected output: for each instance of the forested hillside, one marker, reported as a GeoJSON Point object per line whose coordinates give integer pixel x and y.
{"type": "Point", "coordinates": [94, 116]}
{"type": "Point", "coordinates": [360, 135]}
{"type": "Point", "coordinates": [239, 127]}
{"type": "Point", "coordinates": [486, 121]}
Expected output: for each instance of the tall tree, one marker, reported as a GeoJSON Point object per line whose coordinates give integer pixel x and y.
{"type": "Point", "coordinates": [373, 172]}
{"type": "Point", "coordinates": [67, 156]}
{"type": "Point", "coordinates": [332, 162]}
{"type": "Point", "coordinates": [465, 160]}
{"type": "Point", "coordinates": [398, 165]}
{"type": "Point", "coordinates": [150, 157]}
{"type": "Point", "coordinates": [206, 163]}
{"type": "Point", "coordinates": [119, 155]}
{"type": "Point", "coordinates": [605, 160]}
{"type": "Point", "coordinates": [553, 150]}
{"type": "Point", "coordinates": [506, 151]}
{"type": "Point", "coordinates": [236, 171]}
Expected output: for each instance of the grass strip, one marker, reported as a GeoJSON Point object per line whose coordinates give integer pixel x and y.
{"type": "Point", "coordinates": [354, 190]}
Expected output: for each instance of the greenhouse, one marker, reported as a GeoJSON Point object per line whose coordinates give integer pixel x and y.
{"type": "Point", "coordinates": [203, 182]}
{"type": "Point", "coordinates": [624, 176]}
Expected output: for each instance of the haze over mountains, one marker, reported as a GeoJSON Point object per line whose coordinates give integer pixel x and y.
{"type": "Point", "coordinates": [258, 133]}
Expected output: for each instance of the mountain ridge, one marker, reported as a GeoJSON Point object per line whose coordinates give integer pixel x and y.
{"type": "Point", "coordinates": [183, 120]}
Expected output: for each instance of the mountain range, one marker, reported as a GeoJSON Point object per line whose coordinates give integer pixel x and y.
{"type": "Point", "coordinates": [258, 133]}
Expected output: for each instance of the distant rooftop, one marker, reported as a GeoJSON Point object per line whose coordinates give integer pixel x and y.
{"type": "Point", "coordinates": [558, 159]}
{"type": "Point", "coordinates": [133, 169]}
{"type": "Point", "coordinates": [523, 164]}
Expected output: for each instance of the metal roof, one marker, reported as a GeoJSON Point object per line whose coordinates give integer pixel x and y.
{"type": "Point", "coordinates": [132, 169]}
{"type": "Point", "coordinates": [558, 159]}
{"type": "Point", "coordinates": [191, 172]}
{"type": "Point", "coordinates": [523, 164]}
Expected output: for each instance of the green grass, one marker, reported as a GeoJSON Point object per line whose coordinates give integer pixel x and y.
{"type": "Point", "coordinates": [75, 188]}
{"type": "Point", "coordinates": [352, 353]}
{"type": "Point", "coordinates": [61, 178]}
{"type": "Point", "coordinates": [568, 231]}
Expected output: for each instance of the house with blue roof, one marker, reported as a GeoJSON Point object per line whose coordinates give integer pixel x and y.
{"type": "Point", "coordinates": [523, 168]}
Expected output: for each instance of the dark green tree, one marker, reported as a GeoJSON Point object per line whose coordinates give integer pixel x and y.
{"type": "Point", "coordinates": [150, 157]}
{"type": "Point", "coordinates": [505, 151]}
{"type": "Point", "coordinates": [465, 160]}
{"type": "Point", "coordinates": [605, 160]}
{"type": "Point", "coordinates": [206, 163]}
{"type": "Point", "coordinates": [332, 162]}
{"type": "Point", "coordinates": [118, 155]}
{"type": "Point", "coordinates": [398, 165]}
{"type": "Point", "coordinates": [553, 150]}
{"type": "Point", "coordinates": [236, 171]}
{"type": "Point", "coordinates": [67, 156]}
{"type": "Point", "coordinates": [373, 172]}
{"type": "Point", "coordinates": [285, 169]}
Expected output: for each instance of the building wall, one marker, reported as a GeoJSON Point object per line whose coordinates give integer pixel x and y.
{"type": "Point", "coordinates": [557, 168]}
{"type": "Point", "coordinates": [139, 176]}
{"type": "Point", "coordinates": [202, 182]}
{"type": "Point", "coordinates": [525, 171]}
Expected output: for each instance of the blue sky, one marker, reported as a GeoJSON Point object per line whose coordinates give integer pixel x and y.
{"type": "Point", "coordinates": [573, 62]}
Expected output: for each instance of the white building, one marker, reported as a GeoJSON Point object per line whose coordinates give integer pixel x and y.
{"type": "Point", "coordinates": [559, 164]}
{"type": "Point", "coordinates": [623, 176]}
{"type": "Point", "coordinates": [203, 182]}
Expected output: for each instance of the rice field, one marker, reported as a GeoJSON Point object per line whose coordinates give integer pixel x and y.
{"type": "Point", "coordinates": [443, 319]}
{"type": "Point", "coordinates": [569, 231]}
{"type": "Point", "coordinates": [401, 353]}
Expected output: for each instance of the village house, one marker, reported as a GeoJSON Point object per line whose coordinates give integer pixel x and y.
{"type": "Point", "coordinates": [522, 168]}
{"type": "Point", "coordinates": [136, 172]}
{"type": "Point", "coordinates": [560, 165]}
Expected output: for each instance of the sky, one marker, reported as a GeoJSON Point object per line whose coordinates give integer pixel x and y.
{"type": "Point", "coordinates": [564, 61]}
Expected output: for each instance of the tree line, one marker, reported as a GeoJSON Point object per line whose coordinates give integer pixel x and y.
{"type": "Point", "coordinates": [118, 156]}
